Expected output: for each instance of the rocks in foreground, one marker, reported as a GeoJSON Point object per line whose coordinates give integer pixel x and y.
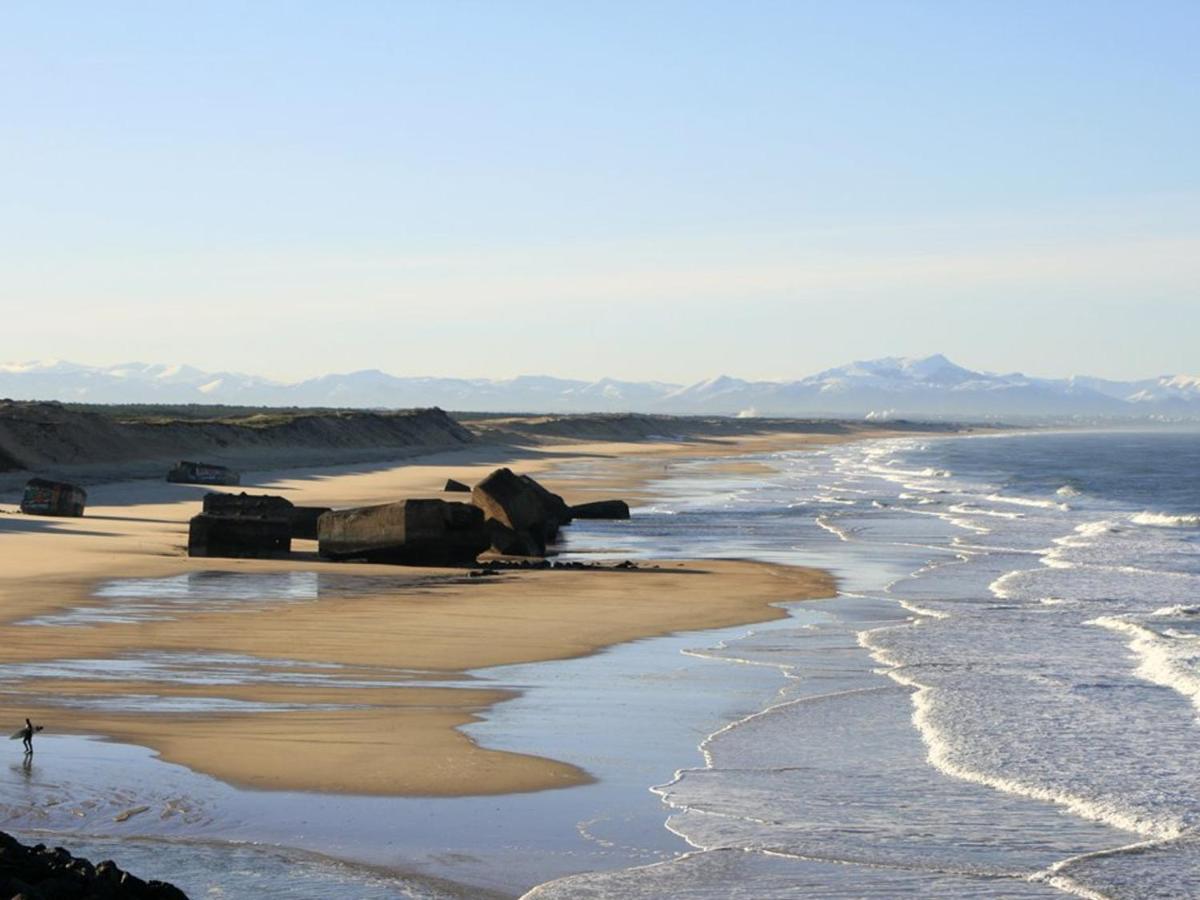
{"type": "Point", "coordinates": [601, 509]}
{"type": "Point", "coordinates": [40, 873]}
{"type": "Point", "coordinates": [416, 532]}
{"type": "Point", "coordinates": [453, 486]}
{"type": "Point", "coordinates": [53, 498]}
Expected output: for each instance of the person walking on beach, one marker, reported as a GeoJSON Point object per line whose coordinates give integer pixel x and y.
{"type": "Point", "coordinates": [27, 734]}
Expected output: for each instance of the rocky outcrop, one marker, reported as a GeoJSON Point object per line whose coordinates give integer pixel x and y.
{"type": "Point", "coordinates": [522, 516]}
{"type": "Point", "coordinates": [53, 498]}
{"type": "Point", "coordinates": [415, 532]}
{"type": "Point", "coordinates": [41, 873]}
{"type": "Point", "coordinates": [601, 509]}
{"type": "Point", "coordinates": [239, 537]}
{"type": "Point", "coordinates": [456, 487]}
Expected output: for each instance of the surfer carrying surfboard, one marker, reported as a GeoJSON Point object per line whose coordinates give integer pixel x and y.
{"type": "Point", "coordinates": [26, 735]}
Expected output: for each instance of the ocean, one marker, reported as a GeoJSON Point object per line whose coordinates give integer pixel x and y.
{"type": "Point", "coordinates": [1001, 703]}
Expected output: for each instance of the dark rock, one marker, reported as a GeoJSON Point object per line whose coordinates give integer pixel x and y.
{"type": "Point", "coordinates": [522, 515]}
{"type": "Point", "coordinates": [415, 532]}
{"type": "Point", "coordinates": [187, 472]}
{"type": "Point", "coordinates": [131, 882]}
{"type": "Point", "coordinates": [456, 486]}
{"type": "Point", "coordinates": [601, 509]}
{"type": "Point", "coordinates": [61, 886]}
{"type": "Point", "coordinates": [239, 537]}
{"type": "Point", "coordinates": [53, 498]}
{"type": "Point", "coordinates": [163, 890]}
{"type": "Point", "coordinates": [36, 873]}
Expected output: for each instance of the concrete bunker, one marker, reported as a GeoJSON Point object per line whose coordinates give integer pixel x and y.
{"type": "Point", "coordinates": [43, 497]}
{"type": "Point", "coordinates": [417, 532]}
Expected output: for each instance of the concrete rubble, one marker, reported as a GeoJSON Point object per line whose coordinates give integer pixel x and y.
{"type": "Point", "coordinates": [417, 532]}
{"type": "Point", "coordinates": [188, 472]}
{"type": "Point", "coordinates": [508, 515]}
{"type": "Point", "coordinates": [53, 498]}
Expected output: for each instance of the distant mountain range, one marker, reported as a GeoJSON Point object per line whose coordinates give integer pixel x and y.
{"type": "Point", "coordinates": [893, 387]}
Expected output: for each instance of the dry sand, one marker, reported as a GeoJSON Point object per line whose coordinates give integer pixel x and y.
{"type": "Point", "coordinates": [388, 721]}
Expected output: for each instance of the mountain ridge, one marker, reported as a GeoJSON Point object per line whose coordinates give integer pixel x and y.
{"type": "Point", "coordinates": [931, 387]}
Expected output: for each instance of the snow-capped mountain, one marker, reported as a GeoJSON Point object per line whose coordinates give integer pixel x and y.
{"type": "Point", "coordinates": [932, 387]}
{"type": "Point", "coordinates": [1167, 391]}
{"type": "Point", "coordinates": [928, 386]}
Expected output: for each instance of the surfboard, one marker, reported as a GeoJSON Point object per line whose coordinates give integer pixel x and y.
{"type": "Point", "coordinates": [20, 733]}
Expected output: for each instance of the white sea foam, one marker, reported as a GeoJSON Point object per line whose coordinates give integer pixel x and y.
{"type": "Point", "coordinates": [1028, 501]}
{"type": "Point", "coordinates": [970, 509]}
{"type": "Point", "coordinates": [1172, 612]}
{"type": "Point", "coordinates": [944, 756]}
{"type": "Point", "coordinates": [838, 501]}
{"type": "Point", "coordinates": [1158, 869]}
{"type": "Point", "coordinates": [1170, 661]}
{"type": "Point", "coordinates": [1093, 529]}
{"type": "Point", "coordinates": [1165, 520]}
{"type": "Point", "coordinates": [842, 534]}
{"type": "Point", "coordinates": [1001, 587]}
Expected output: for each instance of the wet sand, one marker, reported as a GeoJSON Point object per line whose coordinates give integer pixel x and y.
{"type": "Point", "coordinates": [382, 714]}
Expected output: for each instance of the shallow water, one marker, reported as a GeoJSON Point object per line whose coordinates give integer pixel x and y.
{"type": "Point", "coordinates": [666, 701]}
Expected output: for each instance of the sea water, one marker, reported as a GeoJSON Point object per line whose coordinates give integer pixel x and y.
{"type": "Point", "coordinates": [1002, 703]}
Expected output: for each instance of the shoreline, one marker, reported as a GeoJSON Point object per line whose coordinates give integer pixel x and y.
{"type": "Point", "coordinates": [410, 709]}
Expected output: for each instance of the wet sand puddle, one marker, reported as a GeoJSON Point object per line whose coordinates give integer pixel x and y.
{"type": "Point", "coordinates": [137, 600]}
{"type": "Point", "coordinates": [179, 682]}
{"type": "Point", "coordinates": [192, 683]}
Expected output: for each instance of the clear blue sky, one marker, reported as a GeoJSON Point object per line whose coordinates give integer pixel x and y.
{"type": "Point", "coordinates": [637, 189]}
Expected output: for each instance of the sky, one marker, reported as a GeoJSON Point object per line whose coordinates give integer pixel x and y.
{"type": "Point", "coordinates": [643, 190]}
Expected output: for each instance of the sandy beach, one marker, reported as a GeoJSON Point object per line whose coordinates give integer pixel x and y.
{"type": "Point", "coordinates": [355, 681]}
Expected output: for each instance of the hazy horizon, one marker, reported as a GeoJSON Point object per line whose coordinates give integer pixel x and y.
{"type": "Point", "coordinates": [30, 365]}
{"type": "Point", "coordinates": [657, 192]}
